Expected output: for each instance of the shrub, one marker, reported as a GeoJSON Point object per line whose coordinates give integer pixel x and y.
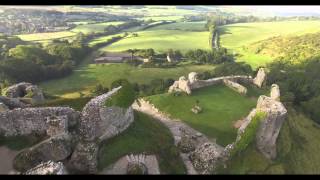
{"type": "Point", "coordinates": [248, 136]}
{"type": "Point", "coordinates": [124, 97]}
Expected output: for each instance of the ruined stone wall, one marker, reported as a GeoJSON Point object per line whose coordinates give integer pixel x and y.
{"type": "Point", "coordinates": [98, 121]}
{"type": "Point", "coordinates": [235, 86]}
{"type": "Point", "coordinates": [33, 120]}
{"type": "Point", "coordinates": [269, 128]}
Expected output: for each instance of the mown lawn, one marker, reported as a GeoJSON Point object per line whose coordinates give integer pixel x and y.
{"type": "Point", "coordinates": [236, 36]}
{"type": "Point", "coordinates": [221, 108]}
{"type": "Point", "coordinates": [145, 135]}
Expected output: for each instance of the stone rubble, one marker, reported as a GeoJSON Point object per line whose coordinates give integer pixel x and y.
{"type": "Point", "coordinates": [22, 89]}
{"type": "Point", "coordinates": [48, 168]}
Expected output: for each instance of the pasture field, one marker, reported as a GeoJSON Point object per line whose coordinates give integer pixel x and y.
{"type": "Point", "coordinates": [162, 40]}
{"type": "Point", "coordinates": [237, 36]}
{"type": "Point", "coordinates": [222, 107]}
{"type": "Point", "coordinates": [46, 36]}
{"type": "Point", "coordinates": [184, 26]}
{"type": "Point", "coordinates": [84, 78]}
{"type": "Point", "coordinates": [97, 27]}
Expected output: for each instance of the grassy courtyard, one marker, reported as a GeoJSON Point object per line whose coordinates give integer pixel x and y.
{"type": "Point", "coordinates": [221, 108]}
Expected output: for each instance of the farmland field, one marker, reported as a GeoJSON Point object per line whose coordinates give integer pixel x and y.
{"type": "Point", "coordinates": [237, 36]}
{"type": "Point", "coordinates": [221, 108]}
{"type": "Point", "coordinates": [162, 40]}
{"type": "Point", "coordinates": [46, 36]}
{"type": "Point", "coordinates": [98, 27]}
{"type": "Point", "coordinates": [185, 26]}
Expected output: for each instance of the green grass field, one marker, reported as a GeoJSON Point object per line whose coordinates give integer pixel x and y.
{"type": "Point", "coordinates": [221, 108]}
{"type": "Point", "coordinates": [98, 27]}
{"type": "Point", "coordinates": [86, 76]}
{"type": "Point", "coordinates": [145, 135]}
{"type": "Point", "coordinates": [237, 36]}
{"type": "Point", "coordinates": [46, 36]}
{"type": "Point", "coordinates": [162, 40]}
{"type": "Point", "coordinates": [184, 26]}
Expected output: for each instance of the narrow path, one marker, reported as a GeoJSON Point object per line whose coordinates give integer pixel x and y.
{"type": "Point", "coordinates": [176, 127]}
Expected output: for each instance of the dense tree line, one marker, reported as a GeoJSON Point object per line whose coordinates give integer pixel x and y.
{"type": "Point", "coordinates": [34, 63]}
{"type": "Point", "coordinates": [112, 29]}
{"type": "Point", "coordinates": [214, 56]}
{"type": "Point", "coordinates": [299, 84]}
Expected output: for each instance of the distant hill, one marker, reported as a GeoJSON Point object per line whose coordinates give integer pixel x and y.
{"type": "Point", "coordinates": [294, 48]}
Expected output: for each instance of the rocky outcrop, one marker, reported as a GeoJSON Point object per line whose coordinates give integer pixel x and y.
{"type": "Point", "coordinates": [48, 168]}
{"type": "Point", "coordinates": [99, 121]}
{"type": "Point", "coordinates": [259, 80]}
{"type": "Point", "coordinates": [26, 91]}
{"type": "Point", "coordinates": [206, 158]}
{"type": "Point", "coordinates": [270, 127]}
{"type": "Point", "coordinates": [3, 107]}
{"type": "Point", "coordinates": [55, 148]}
{"type": "Point", "coordinates": [235, 86]}
{"type": "Point", "coordinates": [35, 120]}
{"type": "Point", "coordinates": [13, 103]}
{"type": "Point", "coordinates": [275, 92]}
{"type": "Point", "coordinates": [84, 159]}
{"type": "Point", "coordinates": [182, 85]}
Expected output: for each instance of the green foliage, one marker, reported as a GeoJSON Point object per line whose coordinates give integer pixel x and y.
{"type": "Point", "coordinates": [232, 68]}
{"type": "Point", "coordinates": [312, 108]}
{"type": "Point", "coordinates": [123, 97]}
{"type": "Point", "coordinates": [145, 135]}
{"type": "Point", "coordinates": [29, 94]}
{"type": "Point", "coordinates": [299, 83]}
{"type": "Point", "coordinates": [249, 134]}
{"type": "Point", "coordinates": [215, 56]}
{"type": "Point", "coordinates": [99, 89]}
{"type": "Point", "coordinates": [291, 48]}
{"type": "Point", "coordinates": [20, 142]}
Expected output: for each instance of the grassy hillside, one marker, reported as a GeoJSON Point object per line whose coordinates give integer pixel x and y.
{"type": "Point", "coordinates": [162, 40]}
{"type": "Point", "coordinates": [145, 135]}
{"type": "Point", "coordinates": [236, 36]}
{"type": "Point", "coordinates": [98, 27]}
{"type": "Point", "coordinates": [294, 48]}
{"type": "Point", "coordinates": [221, 108]}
